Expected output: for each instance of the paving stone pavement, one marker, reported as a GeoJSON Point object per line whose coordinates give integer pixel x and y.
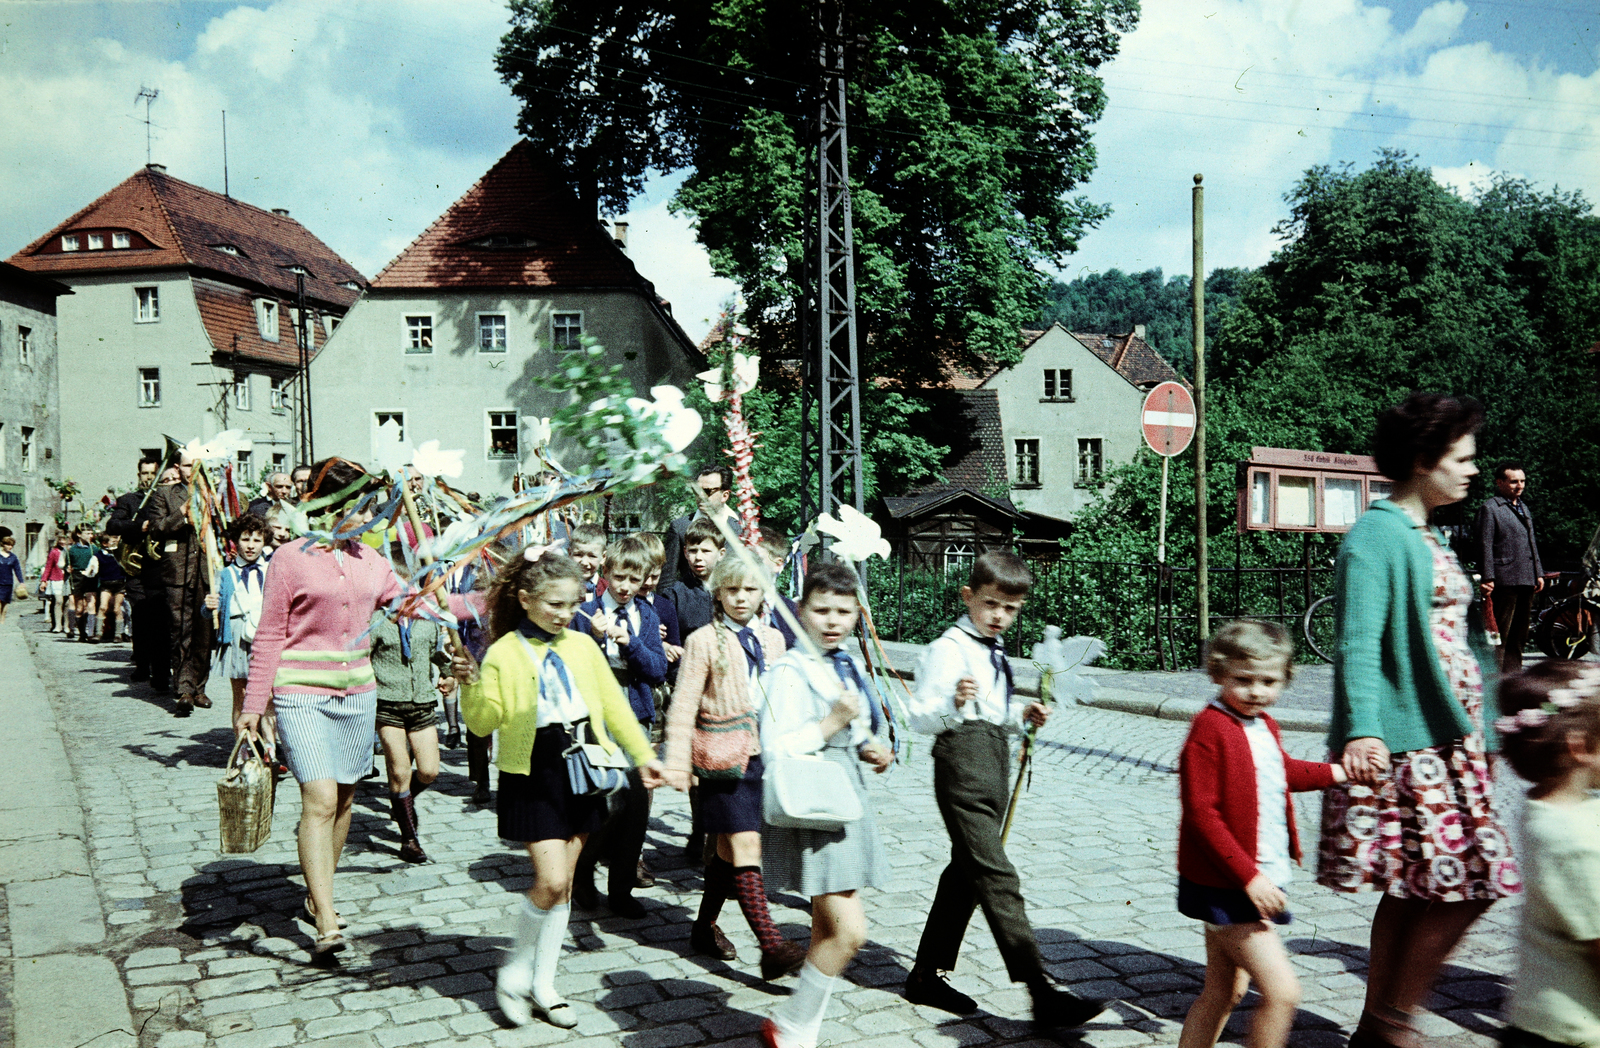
{"type": "Point", "coordinates": [209, 952]}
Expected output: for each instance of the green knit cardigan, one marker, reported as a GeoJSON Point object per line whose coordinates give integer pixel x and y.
{"type": "Point", "coordinates": [1387, 681]}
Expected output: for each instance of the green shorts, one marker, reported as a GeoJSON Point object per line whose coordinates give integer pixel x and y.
{"type": "Point", "coordinates": [412, 716]}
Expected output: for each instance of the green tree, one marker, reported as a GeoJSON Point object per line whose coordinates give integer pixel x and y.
{"type": "Point", "coordinates": [970, 129]}
{"type": "Point", "coordinates": [1114, 301]}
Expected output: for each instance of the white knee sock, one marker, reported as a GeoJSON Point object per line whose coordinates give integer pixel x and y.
{"type": "Point", "coordinates": [552, 933]}
{"type": "Point", "coordinates": [799, 1018]}
{"type": "Point", "coordinates": [516, 972]}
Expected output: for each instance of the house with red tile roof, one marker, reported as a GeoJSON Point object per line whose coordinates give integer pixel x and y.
{"type": "Point", "coordinates": [449, 340]}
{"type": "Point", "coordinates": [183, 322]}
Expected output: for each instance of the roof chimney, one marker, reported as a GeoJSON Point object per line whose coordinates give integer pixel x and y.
{"type": "Point", "coordinates": [281, 211]}
{"type": "Point", "coordinates": [1138, 331]}
{"type": "Point", "coordinates": [159, 169]}
{"type": "Point", "coordinates": [619, 235]}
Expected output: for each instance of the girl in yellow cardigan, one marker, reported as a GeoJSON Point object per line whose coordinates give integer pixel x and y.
{"type": "Point", "coordinates": [713, 732]}
{"type": "Point", "coordinates": [541, 684]}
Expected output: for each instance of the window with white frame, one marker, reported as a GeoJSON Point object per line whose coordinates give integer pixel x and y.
{"type": "Point", "coordinates": [69, 243]}
{"type": "Point", "coordinates": [280, 462]}
{"type": "Point", "coordinates": [383, 418]}
{"type": "Point", "coordinates": [329, 322]}
{"type": "Point", "coordinates": [566, 330]}
{"type": "Point", "coordinates": [241, 390]}
{"type": "Point", "coordinates": [502, 434]}
{"type": "Point", "coordinates": [97, 242]}
{"type": "Point", "coordinates": [419, 333]}
{"type": "Point", "coordinates": [27, 449]}
{"type": "Point", "coordinates": [148, 304]}
{"type": "Point", "coordinates": [308, 324]}
{"type": "Point", "coordinates": [491, 332]}
{"type": "Point", "coordinates": [278, 393]}
{"type": "Point", "coordinates": [627, 523]}
{"type": "Point", "coordinates": [25, 346]}
{"type": "Point", "coordinates": [244, 467]}
{"type": "Point", "coordinates": [119, 240]}
{"type": "Point", "coordinates": [1091, 461]}
{"type": "Point", "coordinates": [149, 387]}
{"type": "Point", "coordinates": [1027, 458]}
{"type": "Point", "coordinates": [958, 558]}
{"type": "Point", "coordinates": [267, 318]}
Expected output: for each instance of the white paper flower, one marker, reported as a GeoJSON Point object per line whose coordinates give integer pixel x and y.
{"type": "Point", "coordinates": [746, 368]}
{"type": "Point", "coordinates": [678, 422]}
{"type": "Point", "coordinates": [220, 448]}
{"type": "Point", "coordinates": [856, 535]}
{"type": "Point", "coordinates": [1067, 661]}
{"type": "Point", "coordinates": [431, 462]}
{"type": "Point", "coordinates": [535, 432]}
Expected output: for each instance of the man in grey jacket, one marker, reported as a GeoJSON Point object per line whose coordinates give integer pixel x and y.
{"type": "Point", "coordinates": [1512, 571]}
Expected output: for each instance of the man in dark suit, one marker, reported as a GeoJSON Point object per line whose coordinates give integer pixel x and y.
{"type": "Point", "coordinates": [279, 489]}
{"type": "Point", "coordinates": [1512, 571]}
{"type": "Point", "coordinates": [711, 489]}
{"type": "Point", "coordinates": [147, 597]}
{"type": "Point", "coordinates": [187, 578]}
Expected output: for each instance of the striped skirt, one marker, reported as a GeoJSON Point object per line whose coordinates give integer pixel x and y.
{"type": "Point", "coordinates": [327, 736]}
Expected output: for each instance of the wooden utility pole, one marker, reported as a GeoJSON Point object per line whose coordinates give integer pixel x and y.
{"type": "Point", "coordinates": [1202, 580]}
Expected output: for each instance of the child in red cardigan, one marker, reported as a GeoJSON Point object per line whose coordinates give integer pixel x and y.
{"type": "Point", "coordinates": [1237, 837]}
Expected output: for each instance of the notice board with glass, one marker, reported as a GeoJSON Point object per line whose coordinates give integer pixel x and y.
{"type": "Point", "coordinates": [1284, 489]}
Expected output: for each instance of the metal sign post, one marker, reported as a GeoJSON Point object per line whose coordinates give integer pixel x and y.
{"type": "Point", "coordinates": [1168, 423]}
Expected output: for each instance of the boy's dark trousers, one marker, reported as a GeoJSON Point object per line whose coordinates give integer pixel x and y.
{"type": "Point", "coordinates": [621, 839]}
{"type": "Point", "coordinates": [971, 766]}
{"type": "Point", "coordinates": [478, 758]}
{"type": "Point", "coordinates": [152, 640]}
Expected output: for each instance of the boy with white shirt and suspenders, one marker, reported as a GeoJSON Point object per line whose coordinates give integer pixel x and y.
{"type": "Point", "coordinates": [964, 698]}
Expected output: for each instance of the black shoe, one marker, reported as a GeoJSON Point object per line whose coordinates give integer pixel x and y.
{"type": "Point", "coordinates": [411, 851]}
{"type": "Point", "coordinates": [452, 739]}
{"type": "Point", "coordinates": [642, 877]}
{"type": "Point", "coordinates": [182, 708]}
{"type": "Point", "coordinates": [626, 906]}
{"type": "Point", "coordinates": [372, 773]}
{"type": "Point", "coordinates": [708, 939]}
{"type": "Point", "coordinates": [480, 794]}
{"type": "Point", "coordinates": [584, 894]}
{"type": "Point", "coordinates": [1057, 1009]}
{"type": "Point", "coordinates": [784, 959]}
{"type": "Point", "coordinates": [160, 687]}
{"type": "Point", "coordinates": [140, 675]}
{"type": "Point", "coordinates": [929, 988]}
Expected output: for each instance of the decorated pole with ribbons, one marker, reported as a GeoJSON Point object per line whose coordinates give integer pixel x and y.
{"type": "Point", "coordinates": [736, 377]}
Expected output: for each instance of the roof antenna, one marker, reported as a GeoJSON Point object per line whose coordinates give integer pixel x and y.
{"type": "Point", "coordinates": [225, 193]}
{"type": "Point", "coordinates": [149, 94]}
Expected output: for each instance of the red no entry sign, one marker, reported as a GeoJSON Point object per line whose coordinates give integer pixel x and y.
{"type": "Point", "coordinates": [1168, 419]}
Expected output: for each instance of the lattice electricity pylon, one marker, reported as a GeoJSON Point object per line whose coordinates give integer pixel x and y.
{"type": "Point", "coordinates": [830, 435]}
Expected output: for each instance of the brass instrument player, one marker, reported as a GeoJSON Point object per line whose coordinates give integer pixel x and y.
{"type": "Point", "coordinates": [146, 594]}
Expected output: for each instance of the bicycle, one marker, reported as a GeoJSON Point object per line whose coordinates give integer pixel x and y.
{"type": "Point", "coordinates": [1318, 625]}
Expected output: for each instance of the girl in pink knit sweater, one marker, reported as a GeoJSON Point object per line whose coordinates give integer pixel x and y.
{"type": "Point", "coordinates": [713, 733]}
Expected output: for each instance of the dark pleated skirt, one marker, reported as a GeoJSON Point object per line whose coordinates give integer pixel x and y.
{"type": "Point", "coordinates": [539, 806]}
{"type": "Point", "coordinates": [732, 805]}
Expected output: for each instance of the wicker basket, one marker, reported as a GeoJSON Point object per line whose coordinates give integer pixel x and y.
{"type": "Point", "coordinates": [244, 800]}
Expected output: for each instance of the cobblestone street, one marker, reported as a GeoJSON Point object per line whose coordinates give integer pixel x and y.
{"type": "Point", "coordinates": [210, 954]}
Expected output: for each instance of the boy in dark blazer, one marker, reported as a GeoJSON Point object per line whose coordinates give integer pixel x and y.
{"type": "Point", "coordinates": [629, 633]}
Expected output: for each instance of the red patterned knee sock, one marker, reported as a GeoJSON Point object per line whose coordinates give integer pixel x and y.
{"type": "Point", "coordinates": [752, 895]}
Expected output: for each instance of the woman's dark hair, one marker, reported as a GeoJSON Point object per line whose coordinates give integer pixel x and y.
{"type": "Point", "coordinates": [521, 575]}
{"type": "Point", "coordinates": [830, 577]}
{"type": "Point", "coordinates": [330, 476]}
{"type": "Point", "coordinates": [1419, 430]}
{"type": "Point", "coordinates": [1538, 751]}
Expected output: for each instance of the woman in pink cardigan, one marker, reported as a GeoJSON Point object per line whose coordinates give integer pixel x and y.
{"type": "Point", "coordinates": [713, 733]}
{"type": "Point", "coordinates": [310, 662]}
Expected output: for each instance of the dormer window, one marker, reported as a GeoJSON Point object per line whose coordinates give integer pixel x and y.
{"type": "Point", "coordinates": [119, 240]}
{"type": "Point", "coordinates": [504, 241]}
{"type": "Point", "coordinates": [227, 249]}
{"type": "Point", "coordinates": [267, 318]}
{"type": "Point", "coordinates": [69, 243]}
{"type": "Point", "coordinates": [351, 284]}
{"type": "Point", "coordinates": [97, 242]}
{"type": "Point", "coordinates": [301, 270]}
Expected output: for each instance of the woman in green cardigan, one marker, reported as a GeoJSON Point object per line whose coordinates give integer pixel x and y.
{"type": "Point", "coordinates": [1412, 701]}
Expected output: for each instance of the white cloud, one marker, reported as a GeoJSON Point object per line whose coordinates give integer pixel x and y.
{"type": "Point", "coordinates": [663, 247]}
{"type": "Point", "coordinates": [1254, 92]}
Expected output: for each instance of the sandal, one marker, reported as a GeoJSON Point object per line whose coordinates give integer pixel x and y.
{"type": "Point", "coordinates": [329, 943]}
{"type": "Point", "coordinates": [309, 916]}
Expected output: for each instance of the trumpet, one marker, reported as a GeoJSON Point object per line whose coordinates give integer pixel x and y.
{"type": "Point", "coordinates": [134, 555]}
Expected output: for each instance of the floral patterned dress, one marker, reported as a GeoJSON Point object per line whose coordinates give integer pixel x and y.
{"type": "Point", "coordinates": [1427, 830]}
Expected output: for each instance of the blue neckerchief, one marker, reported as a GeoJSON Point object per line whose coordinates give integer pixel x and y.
{"type": "Point", "coordinates": [751, 644]}
{"type": "Point", "coordinates": [997, 655]}
{"type": "Point", "coordinates": [530, 629]}
{"type": "Point", "coordinates": [845, 667]}
{"type": "Point", "coordinates": [245, 570]}
{"type": "Point", "coordinates": [405, 640]}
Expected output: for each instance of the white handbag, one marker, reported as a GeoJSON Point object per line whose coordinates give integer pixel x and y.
{"type": "Point", "coordinates": [808, 793]}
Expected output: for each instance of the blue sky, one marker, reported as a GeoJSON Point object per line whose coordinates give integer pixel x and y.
{"type": "Point", "coordinates": [366, 118]}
